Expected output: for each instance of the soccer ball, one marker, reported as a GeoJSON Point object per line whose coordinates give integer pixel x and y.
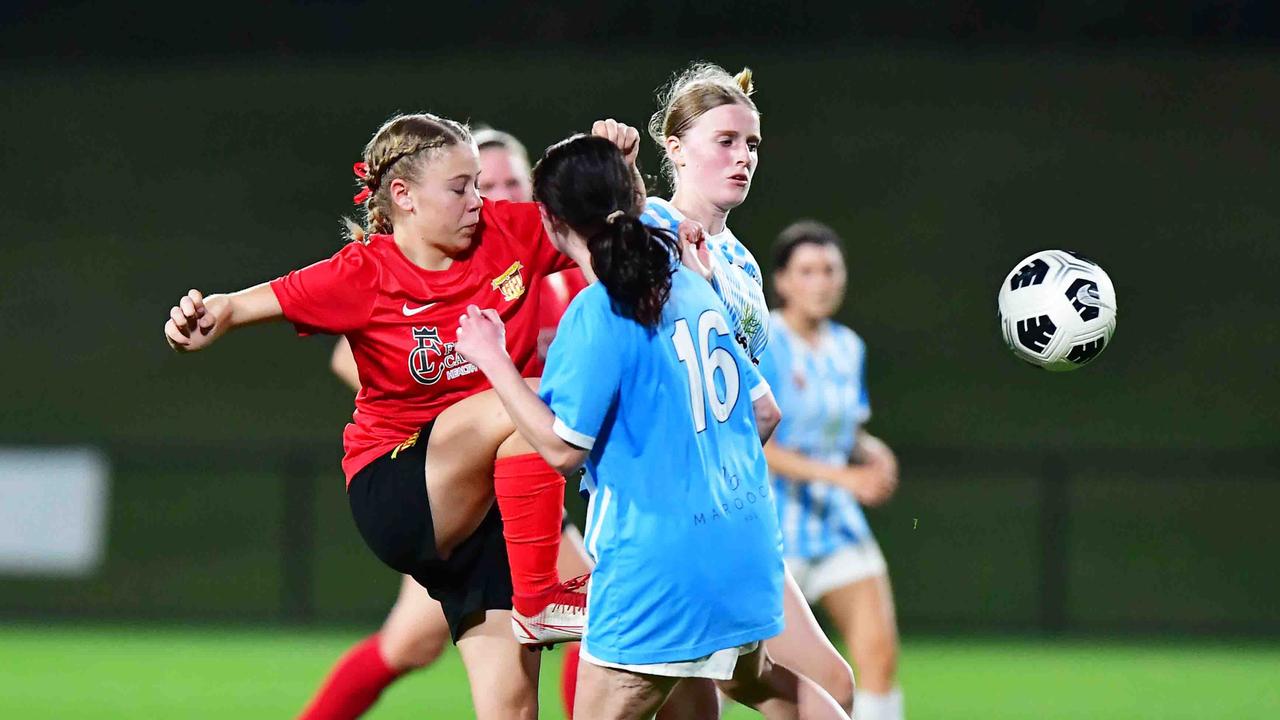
{"type": "Point", "coordinates": [1057, 310]}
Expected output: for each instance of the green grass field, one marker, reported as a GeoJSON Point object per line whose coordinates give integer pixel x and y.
{"type": "Point", "coordinates": [148, 672]}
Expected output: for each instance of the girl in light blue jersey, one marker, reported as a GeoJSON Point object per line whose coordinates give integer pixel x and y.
{"type": "Point", "coordinates": [707, 128]}
{"type": "Point", "coordinates": [825, 465]}
{"type": "Point", "coordinates": [647, 388]}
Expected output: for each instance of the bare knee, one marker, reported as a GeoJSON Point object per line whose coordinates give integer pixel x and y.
{"type": "Point", "coordinates": [513, 704]}
{"type": "Point", "coordinates": [877, 659]}
{"type": "Point", "coordinates": [408, 652]}
{"type": "Point", "coordinates": [515, 444]}
{"type": "Point", "coordinates": [832, 672]}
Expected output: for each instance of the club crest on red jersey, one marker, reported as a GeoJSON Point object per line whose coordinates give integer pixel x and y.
{"type": "Point", "coordinates": [510, 283]}
{"type": "Point", "coordinates": [432, 359]}
{"type": "Point", "coordinates": [423, 365]}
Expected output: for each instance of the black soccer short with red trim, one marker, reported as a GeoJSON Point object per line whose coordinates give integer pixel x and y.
{"type": "Point", "coordinates": [389, 503]}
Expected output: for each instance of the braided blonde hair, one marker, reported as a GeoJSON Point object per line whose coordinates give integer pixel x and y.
{"type": "Point", "coordinates": [690, 94]}
{"type": "Point", "coordinates": [400, 149]}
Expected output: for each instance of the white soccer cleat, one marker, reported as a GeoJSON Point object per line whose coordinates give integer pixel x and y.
{"type": "Point", "coordinates": [562, 619]}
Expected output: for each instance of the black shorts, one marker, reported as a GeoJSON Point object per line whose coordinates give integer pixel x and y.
{"type": "Point", "coordinates": [393, 514]}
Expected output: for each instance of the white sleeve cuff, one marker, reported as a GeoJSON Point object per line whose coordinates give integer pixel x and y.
{"type": "Point", "coordinates": [760, 390]}
{"type": "Point", "coordinates": [573, 437]}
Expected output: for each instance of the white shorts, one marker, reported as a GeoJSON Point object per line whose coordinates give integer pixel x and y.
{"type": "Point", "coordinates": [818, 576]}
{"type": "Point", "coordinates": [718, 665]}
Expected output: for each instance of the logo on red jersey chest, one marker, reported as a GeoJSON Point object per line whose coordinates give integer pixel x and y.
{"type": "Point", "coordinates": [432, 359]}
{"type": "Point", "coordinates": [510, 283]}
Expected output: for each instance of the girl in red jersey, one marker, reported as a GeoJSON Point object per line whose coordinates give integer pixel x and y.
{"type": "Point", "coordinates": [415, 632]}
{"type": "Point", "coordinates": [396, 293]}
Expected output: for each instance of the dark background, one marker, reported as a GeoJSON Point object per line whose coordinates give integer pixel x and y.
{"type": "Point", "coordinates": [149, 148]}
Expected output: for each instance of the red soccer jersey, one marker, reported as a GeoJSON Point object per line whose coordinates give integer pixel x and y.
{"type": "Point", "coordinates": [557, 292]}
{"type": "Point", "coordinates": [402, 320]}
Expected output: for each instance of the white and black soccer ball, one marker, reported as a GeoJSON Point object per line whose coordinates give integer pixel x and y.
{"type": "Point", "coordinates": [1057, 310]}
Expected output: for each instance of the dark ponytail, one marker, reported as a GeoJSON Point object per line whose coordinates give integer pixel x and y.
{"type": "Point", "coordinates": [584, 182]}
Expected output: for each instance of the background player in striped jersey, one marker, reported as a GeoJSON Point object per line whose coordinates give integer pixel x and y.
{"type": "Point", "coordinates": [669, 471]}
{"type": "Point", "coordinates": [419, 455]}
{"type": "Point", "coordinates": [415, 632]}
{"type": "Point", "coordinates": [708, 129]}
{"type": "Point", "coordinates": [825, 463]}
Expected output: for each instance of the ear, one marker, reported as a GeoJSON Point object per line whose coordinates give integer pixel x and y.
{"type": "Point", "coordinates": [546, 219]}
{"type": "Point", "coordinates": [780, 287]}
{"type": "Point", "coordinates": [399, 192]}
{"type": "Point", "coordinates": [554, 227]}
{"type": "Point", "coordinates": [675, 150]}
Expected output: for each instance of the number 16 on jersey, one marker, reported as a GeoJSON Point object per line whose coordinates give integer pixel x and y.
{"type": "Point", "coordinates": [702, 363]}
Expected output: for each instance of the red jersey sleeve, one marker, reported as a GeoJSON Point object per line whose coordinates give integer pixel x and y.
{"type": "Point", "coordinates": [332, 296]}
{"type": "Point", "coordinates": [522, 223]}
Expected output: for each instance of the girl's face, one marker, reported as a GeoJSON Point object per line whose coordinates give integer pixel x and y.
{"type": "Point", "coordinates": [716, 157]}
{"type": "Point", "coordinates": [503, 176]}
{"type": "Point", "coordinates": [813, 281]}
{"type": "Point", "coordinates": [443, 205]}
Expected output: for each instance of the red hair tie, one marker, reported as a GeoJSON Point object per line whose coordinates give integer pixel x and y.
{"type": "Point", "coordinates": [361, 170]}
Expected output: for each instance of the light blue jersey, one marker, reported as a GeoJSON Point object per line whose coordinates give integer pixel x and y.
{"type": "Point", "coordinates": [681, 522]}
{"type": "Point", "coordinates": [736, 277]}
{"type": "Point", "coordinates": [823, 396]}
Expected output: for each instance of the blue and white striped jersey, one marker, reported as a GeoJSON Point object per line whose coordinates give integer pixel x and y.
{"type": "Point", "coordinates": [736, 277]}
{"type": "Point", "coordinates": [823, 396]}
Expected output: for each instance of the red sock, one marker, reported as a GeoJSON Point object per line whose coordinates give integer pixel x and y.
{"type": "Point", "coordinates": [569, 677]}
{"type": "Point", "coordinates": [530, 497]}
{"type": "Point", "coordinates": [353, 685]}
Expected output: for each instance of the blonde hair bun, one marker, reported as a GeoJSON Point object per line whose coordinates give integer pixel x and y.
{"type": "Point", "coordinates": [689, 94]}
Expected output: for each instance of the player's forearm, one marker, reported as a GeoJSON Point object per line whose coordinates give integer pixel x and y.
{"type": "Point", "coordinates": [533, 419]}
{"type": "Point", "coordinates": [642, 193]}
{"type": "Point", "coordinates": [250, 306]}
{"type": "Point", "coordinates": [798, 467]}
{"type": "Point", "coordinates": [871, 450]}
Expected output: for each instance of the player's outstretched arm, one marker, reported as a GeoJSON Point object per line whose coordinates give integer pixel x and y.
{"type": "Point", "coordinates": [196, 321]}
{"type": "Point", "coordinates": [481, 340]}
{"type": "Point", "coordinates": [868, 483]}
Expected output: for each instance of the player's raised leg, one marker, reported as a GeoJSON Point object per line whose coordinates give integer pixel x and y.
{"type": "Point", "coordinates": [803, 647]}
{"type": "Point", "coordinates": [530, 495]}
{"type": "Point", "coordinates": [460, 465]}
{"type": "Point", "coordinates": [777, 692]}
{"type": "Point", "coordinates": [863, 611]}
